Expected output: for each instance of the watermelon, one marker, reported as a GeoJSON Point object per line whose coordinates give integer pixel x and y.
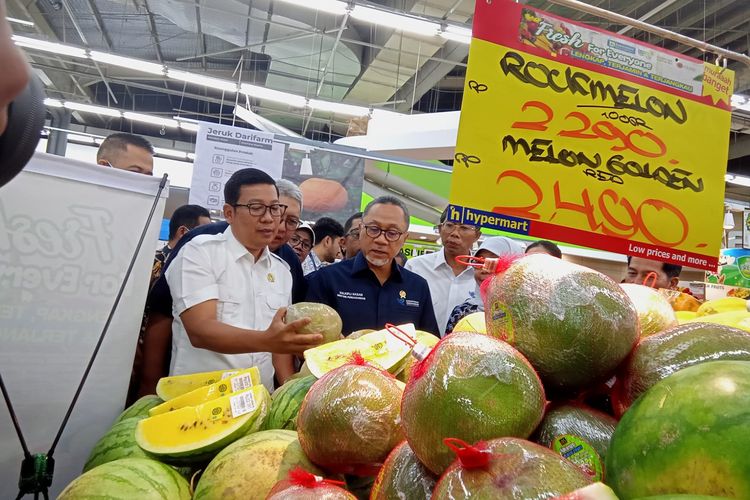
{"type": "Point", "coordinates": [658, 356]}
{"type": "Point", "coordinates": [687, 434]}
{"type": "Point", "coordinates": [654, 311]}
{"type": "Point", "coordinates": [177, 385]}
{"type": "Point", "coordinates": [248, 468]}
{"type": "Point", "coordinates": [593, 427]}
{"type": "Point", "coordinates": [195, 434]}
{"type": "Point", "coordinates": [140, 408]}
{"type": "Point", "coordinates": [596, 491]}
{"type": "Point", "coordinates": [118, 442]}
{"type": "Point", "coordinates": [302, 485]}
{"type": "Point", "coordinates": [403, 476]}
{"type": "Point", "coordinates": [128, 479]}
{"type": "Point", "coordinates": [575, 325]}
{"type": "Point", "coordinates": [471, 387]}
{"type": "Point", "coordinates": [323, 319]}
{"type": "Point", "coordinates": [508, 468]}
{"type": "Point", "coordinates": [349, 420]}
{"type": "Point", "coordinates": [286, 401]}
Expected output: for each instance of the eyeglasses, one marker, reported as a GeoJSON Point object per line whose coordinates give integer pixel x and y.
{"type": "Point", "coordinates": [292, 223]}
{"type": "Point", "coordinates": [353, 234]}
{"type": "Point", "coordinates": [452, 226]}
{"type": "Point", "coordinates": [260, 209]}
{"type": "Point", "coordinates": [297, 241]}
{"type": "Point", "coordinates": [390, 234]}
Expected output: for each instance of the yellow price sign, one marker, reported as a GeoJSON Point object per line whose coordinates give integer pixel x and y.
{"type": "Point", "coordinates": [575, 134]}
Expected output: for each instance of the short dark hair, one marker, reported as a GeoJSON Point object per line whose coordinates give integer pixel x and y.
{"type": "Point", "coordinates": [120, 142]}
{"type": "Point", "coordinates": [325, 226]}
{"type": "Point", "coordinates": [245, 177]}
{"type": "Point", "coordinates": [350, 221]}
{"type": "Point", "coordinates": [401, 255]}
{"type": "Point", "coordinates": [671, 270]}
{"type": "Point", "coordinates": [388, 200]}
{"type": "Point", "coordinates": [186, 215]}
{"type": "Point", "coordinates": [548, 246]}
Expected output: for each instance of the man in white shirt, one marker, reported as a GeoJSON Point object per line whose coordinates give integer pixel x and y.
{"type": "Point", "coordinates": [450, 281]}
{"type": "Point", "coordinates": [230, 292]}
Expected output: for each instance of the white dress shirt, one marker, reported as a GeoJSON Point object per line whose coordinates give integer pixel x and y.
{"type": "Point", "coordinates": [447, 289]}
{"type": "Point", "coordinates": [249, 293]}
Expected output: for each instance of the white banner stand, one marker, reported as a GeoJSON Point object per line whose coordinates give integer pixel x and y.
{"type": "Point", "coordinates": [68, 231]}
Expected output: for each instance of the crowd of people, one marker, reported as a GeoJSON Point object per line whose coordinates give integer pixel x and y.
{"type": "Point", "coordinates": [219, 290]}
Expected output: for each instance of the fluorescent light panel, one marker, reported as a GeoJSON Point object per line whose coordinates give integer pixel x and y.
{"type": "Point", "coordinates": [395, 21]}
{"type": "Point", "coordinates": [127, 62]}
{"type": "Point", "coordinates": [53, 47]}
{"type": "Point", "coordinates": [206, 81]}
{"type": "Point", "coordinates": [740, 180]}
{"type": "Point", "coordinates": [15, 20]}
{"type": "Point", "coordinates": [257, 92]}
{"type": "Point", "coordinates": [335, 7]}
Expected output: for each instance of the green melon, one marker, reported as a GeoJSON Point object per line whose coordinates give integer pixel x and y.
{"type": "Point", "coordinates": [248, 468]}
{"type": "Point", "coordinates": [140, 408]}
{"type": "Point", "coordinates": [575, 325]}
{"type": "Point", "coordinates": [128, 479]}
{"type": "Point", "coordinates": [516, 470]}
{"type": "Point", "coordinates": [118, 442]}
{"type": "Point", "coordinates": [689, 433]}
{"type": "Point", "coordinates": [324, 319]}
{"type": "Point", "coordinates": [286, 401]}
{"type": "Point", "coordinates": [349, 420]}
{"type": "Point", "coordinates": [655, 313]}
{"type": "Point", "coordinates": [471, 387]}
{"type": "Point", "coordinates": [592, 426]}
{"type": "Point", "coordinates": [658, 356]}
{"type": "Point", "coordinates": [195, 434]}
{"type": "Point", "coordinates": [403, 476]}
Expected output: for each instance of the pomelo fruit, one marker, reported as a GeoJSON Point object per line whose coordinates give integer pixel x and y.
{"type": "Point", "coordinates": [177, 385]}
{"type": "Point", "coordinates": [509, 468]}
{"type": "Point", "coordinates": [248, 468]}
{"type": "Point", "coordinates": [687, 434]}
{"type": "Point", "coordinates": [349, 420]}
{"type": "Point", "coordinates": [660, 355]}
{"type": "Point", "coordinates": [575, 325]}
{"type": "Point", "coordinates": [403, 476]}
{"type": "Point", "coordinates": [240, 381]}
{"type": "Point", "coordinates": [127, 479]}
{"type": "Point", "coordinates": [592, 426]}
{"type": "Point", "coordinates": [285, 403]}
{"type": "Point", "coordinates": [302, 485]}
{"type": "Point", "coordinates": [324, 319]}
{"type": "Point", "coordinates": [118, 442]}
{"type": "Point", "coordinates": [596, 491]}
{"type": "Point", "coordinates": [471, 387]}
{"type": "Point", "coordinates": [654, 311]}
{"type": "Point", "coordinates": [196, 433]}
{"type": "Point", "coordinates": [140, 408]}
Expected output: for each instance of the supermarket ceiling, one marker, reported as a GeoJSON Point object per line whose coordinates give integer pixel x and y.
{"type": "Point", "coordinates": [310, 48]}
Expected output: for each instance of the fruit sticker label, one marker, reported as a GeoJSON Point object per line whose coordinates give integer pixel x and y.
{"type": "Point", "coordinates": [575, 134]}
{"type": "Point", "coordinates": [580, 453]}
{"type": "Point", "coordinates": [226, 375]}
{"type": "Point", "coordinates": [241, 382]}
{"type": "Point", "coordinates": [242, 403]}
{"type": "Point", "coordinates": [502, 322]}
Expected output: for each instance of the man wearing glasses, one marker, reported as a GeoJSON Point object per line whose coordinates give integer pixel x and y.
{"type": "Point", "coordinates": [450, 281]}
{"type": "Point", "coordinates": [350, 241]}
{"type": "Point", "coordinates": [303, 241]}
{"type": "Point", "coordinates": [371, 290]}
{"type": "Point", "coordinates": [230, 292]}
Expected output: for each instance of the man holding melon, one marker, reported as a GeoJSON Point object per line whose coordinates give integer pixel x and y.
{"type": "Point", "coordinates": [230, 291]}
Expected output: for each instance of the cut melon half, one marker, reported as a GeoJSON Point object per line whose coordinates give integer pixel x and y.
{"type": "Point", "coordinates": [379, 348]}
{"type": "Point", "coordinates": [196, 433]}
{"type": "Point", "coordinates": [239, 382]}
{"type": "Point", "coordinates": [170, 387]}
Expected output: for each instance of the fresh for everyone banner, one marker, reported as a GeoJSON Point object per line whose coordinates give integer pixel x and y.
{"type": "Point", "coordinates": [575, 134]}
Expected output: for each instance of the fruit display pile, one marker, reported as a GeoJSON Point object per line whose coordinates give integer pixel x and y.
{"type": "Point", "coordinates": [569, 386]}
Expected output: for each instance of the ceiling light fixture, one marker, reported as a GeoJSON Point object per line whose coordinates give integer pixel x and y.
{"type": "Point", "coordinates": [740, 180]}
{"type": "Point", "coordinates": [396, 21]}
{"type": "Point", "coordinates": [335, 7]}
{"type": "Point", "coordinates": [305, 167]}
{"type": "Point", "coordinates": [206, 81]}
{"type": "Point", "coordinates": [128, 62]}
{"type": "Point", "coordinates": [456, 33]}
{"type": "Point", "coordinates": [728, 220]}
{"type": "Point", "coordinates": [150, 119]}
{"type": "Point", "coordinates": [45, 46]}
{"type": "Point", "coordinates": [258, 92]}
{"type": "Point", "coordinates": [15, 20]}
{"type": "Point", "coordinates": [90, 108]}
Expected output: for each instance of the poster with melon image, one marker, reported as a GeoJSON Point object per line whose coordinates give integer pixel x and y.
{"type": "Point", "coordinates": [331, 186]}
